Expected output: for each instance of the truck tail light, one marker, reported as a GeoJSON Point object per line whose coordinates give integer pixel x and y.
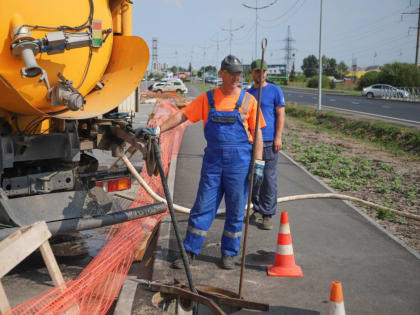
{"type": "Point", "coordinates": [115, 184]}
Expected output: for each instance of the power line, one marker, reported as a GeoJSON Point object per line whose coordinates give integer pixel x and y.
{"type": "Point", "coordinates": [296, 10]}
{"type": "Point", "coordinates": [256, 8]}
{"type": "Point", "coordinates": [231, 30]}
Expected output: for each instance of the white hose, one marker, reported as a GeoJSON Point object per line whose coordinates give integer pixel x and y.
{"type": "Point", "coordinates": [143, 183]}
{"type": "Point", "coordinates": [184, 210]}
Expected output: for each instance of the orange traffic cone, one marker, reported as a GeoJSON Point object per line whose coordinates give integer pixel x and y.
{"type": "Point", "coordinates": [336, 305]}
{"type": "Point", "coordinates": [284, 261]}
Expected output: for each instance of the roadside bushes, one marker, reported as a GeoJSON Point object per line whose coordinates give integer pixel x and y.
{"type": "Point", "coordinates": [367, 79]}
{"type": "Point", "coordinates": [313, 82]}
{"type": "Point", "coordinates": [388, 135]}
{"type": "Point", "coordinates": [396, 74]}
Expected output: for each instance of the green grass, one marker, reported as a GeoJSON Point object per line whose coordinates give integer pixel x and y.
{"type": "Point", "coordinates": [344, 89]}
{"type": "Point", "coordinates": [395, 139]}
{"type": "Point", "coordinates": [202, 86]}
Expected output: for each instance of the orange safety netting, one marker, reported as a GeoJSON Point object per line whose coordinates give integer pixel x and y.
{"type": "Point", "coordinates": [96, 288]}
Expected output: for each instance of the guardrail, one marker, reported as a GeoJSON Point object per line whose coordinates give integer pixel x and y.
{"type": "Point", "coordinates": [408, 94]}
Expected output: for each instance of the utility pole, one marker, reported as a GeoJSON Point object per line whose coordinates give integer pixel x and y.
{"type": "Point", "coordinates": [231, 30]}
{"type": "Point", "coordinates": [204, 58]}
{"type": "Point", "coordinates": [154, 54]}
{"type": "Point", "coordinates": [288, 49]}
{"type": "Point", "coordinates": [417, 11]}
{"type": "Point", "coordinates": [256, 8]}
{"type": "Point", "coordinates": [176, 61]}
{"type": "Point", "coordinates": [320, 60]}
{"type": "Point", "coordinates": [217, 47]}
{"type": "Point", "coordinates": [418, 36]}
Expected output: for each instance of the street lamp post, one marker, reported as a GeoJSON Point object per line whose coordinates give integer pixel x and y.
{"type": "Point", "coordinates": [320, 60]}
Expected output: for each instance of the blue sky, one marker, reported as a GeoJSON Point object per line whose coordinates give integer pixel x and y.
{"type": "Point", "coordinates": [370, 31]}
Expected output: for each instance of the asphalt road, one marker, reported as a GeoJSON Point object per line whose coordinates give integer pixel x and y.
{"type": "Point", "coordinates": [394, 110]}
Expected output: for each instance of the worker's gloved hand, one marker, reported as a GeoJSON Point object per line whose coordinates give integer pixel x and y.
{"type": "Point", "coordinates": [258, 173]}
{"type": "Point", "coordinates": [148, 131]}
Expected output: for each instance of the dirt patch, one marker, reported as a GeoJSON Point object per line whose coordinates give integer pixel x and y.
{"type": "Point", "coordinates": [362, 170]}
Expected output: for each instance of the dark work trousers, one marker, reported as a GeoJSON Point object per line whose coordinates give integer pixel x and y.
{"type": "Point", "coordinates": [265, 198]}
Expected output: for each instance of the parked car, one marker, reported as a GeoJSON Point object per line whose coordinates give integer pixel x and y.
{"type": "Point", "coordinates": [170, 86]}
{"type": "Point", "coordinates": [211, 80]}
{"type": "Point", "coordinates": [384, 90]}
{"type": "Point", "coordinates": [245, 85]}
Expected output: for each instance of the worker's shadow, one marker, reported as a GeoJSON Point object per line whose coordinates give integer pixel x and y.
{"type": "Point", "coordinates": [258, 261]}
{"type": "Point", "coordinates": [282, 310]}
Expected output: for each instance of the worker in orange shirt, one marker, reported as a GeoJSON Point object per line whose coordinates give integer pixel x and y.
{"type": "Point", "coordinates": [229, 116]}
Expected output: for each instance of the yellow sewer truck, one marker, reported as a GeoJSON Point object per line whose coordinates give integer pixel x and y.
{"type": "Point", "coordinates": [63, 66]}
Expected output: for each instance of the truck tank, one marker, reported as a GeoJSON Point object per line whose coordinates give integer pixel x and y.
{"type": "Point", "coordinates": [63, 66]}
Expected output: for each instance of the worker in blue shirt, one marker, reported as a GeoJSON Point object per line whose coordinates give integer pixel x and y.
{"type": "Point", "coordinates": [273, 104]}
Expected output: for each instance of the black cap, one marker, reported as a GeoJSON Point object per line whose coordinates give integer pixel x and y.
{"type": "Point", "coordinates": [231, 64]}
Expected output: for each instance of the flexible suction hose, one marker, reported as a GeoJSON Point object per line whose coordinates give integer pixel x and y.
{"type": "Point", "coordinates": [185, 210]}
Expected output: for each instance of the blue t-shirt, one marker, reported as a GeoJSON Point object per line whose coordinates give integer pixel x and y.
{"type": "Point", "coordinates": [272, 96]}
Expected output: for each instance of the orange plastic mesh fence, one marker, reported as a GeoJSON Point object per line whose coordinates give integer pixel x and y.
{"type": "Point", "coordinates": [96, 288]}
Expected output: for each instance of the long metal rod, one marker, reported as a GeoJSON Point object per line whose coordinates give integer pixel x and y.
{"type": "Point", "coordinates": [251, 175]}
{"type": "Point", "coordinates": [80, 224]}
{"type": "Point", "coordinates": [418, 38]}
{"type": "Point", "coordinates": [157, 150]}
{"type": "Point", "coordinates": [320, 61]}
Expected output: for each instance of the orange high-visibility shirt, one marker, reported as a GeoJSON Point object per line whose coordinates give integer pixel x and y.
{"type": "Point", "coordinates": [198, 109]}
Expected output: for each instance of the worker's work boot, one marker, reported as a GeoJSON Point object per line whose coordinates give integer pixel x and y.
{"type": "Point", "coordinates": [227, 262]}
{"type": "Point", "coordinates": [267, 223]}
{"type": "Point", "coordinates": [179, 264]}
{"type": "Point", "coordinates": [255, 218]}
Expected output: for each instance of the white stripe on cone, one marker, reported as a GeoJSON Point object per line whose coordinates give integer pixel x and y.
{"type": "Point", "coordinates": [284, 228]}
{"type": "Point", "coordinates": [285, 249]}
{"type": "Point", "coordinates": [336, 308]}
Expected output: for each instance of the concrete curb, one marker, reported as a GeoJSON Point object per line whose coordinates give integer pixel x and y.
{"type": "Point", "coordinates": [364, 215]}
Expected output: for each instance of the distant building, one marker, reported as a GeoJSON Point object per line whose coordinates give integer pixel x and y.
{"type": "Point", "coordinates": [276, 69]}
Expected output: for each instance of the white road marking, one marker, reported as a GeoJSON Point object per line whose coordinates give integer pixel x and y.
{"type": "Point", "coordinates": [313, 97]}
{"type": "Point", "coordinates": [332, 99]}
{"type": "Point", "coordinates": [374, 115]}
{"type": "Point", "coordinates": [355, 103]}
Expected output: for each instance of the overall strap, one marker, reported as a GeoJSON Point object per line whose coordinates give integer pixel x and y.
{"type": "Point", "coordinates": [241, 97]}
{"type": "Point", "coordinates": [210, 98]}
{"type": "Point", "coordinates": [245, 105]}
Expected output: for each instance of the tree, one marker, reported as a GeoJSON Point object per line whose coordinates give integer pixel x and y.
{"type": "Point", "coordinates": [190, 68]}
{"type": "Point", "coordinates": [207, 69]}
{"type": "Point", "coordinates": [292, 75]}
{"type": "Point", "coordinates": [367, 79]}
{"type": "Point", "coordinates": [396, 74]}
{"type": "Point", "coordinates": [313, 82]}
{"type": "Point", "coordinates": [342, 69]}
{"type": "Point", "coordinates": [330, 67]}
{"type": "Point", "coordinates": [400, 74]}
{"type": "Point", "coordinates": [310, 66]}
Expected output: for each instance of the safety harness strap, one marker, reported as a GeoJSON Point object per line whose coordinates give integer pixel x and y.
{"type": "Point", "coordinates": [210, 98]}
{"type": "Point", "coordinates": [245, 105]}
{"type": "Point", "coordinates": [240, 99]}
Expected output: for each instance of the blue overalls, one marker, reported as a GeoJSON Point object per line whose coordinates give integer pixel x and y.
{"type": "Point", "coordinates": [225, 169]}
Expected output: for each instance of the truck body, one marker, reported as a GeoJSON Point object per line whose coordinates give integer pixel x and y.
{"type": "Point", "coordinates": [63, 66]}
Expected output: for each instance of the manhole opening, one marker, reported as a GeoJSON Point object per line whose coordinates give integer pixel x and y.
{"type": "Point", "coordinates": [182, 306]}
